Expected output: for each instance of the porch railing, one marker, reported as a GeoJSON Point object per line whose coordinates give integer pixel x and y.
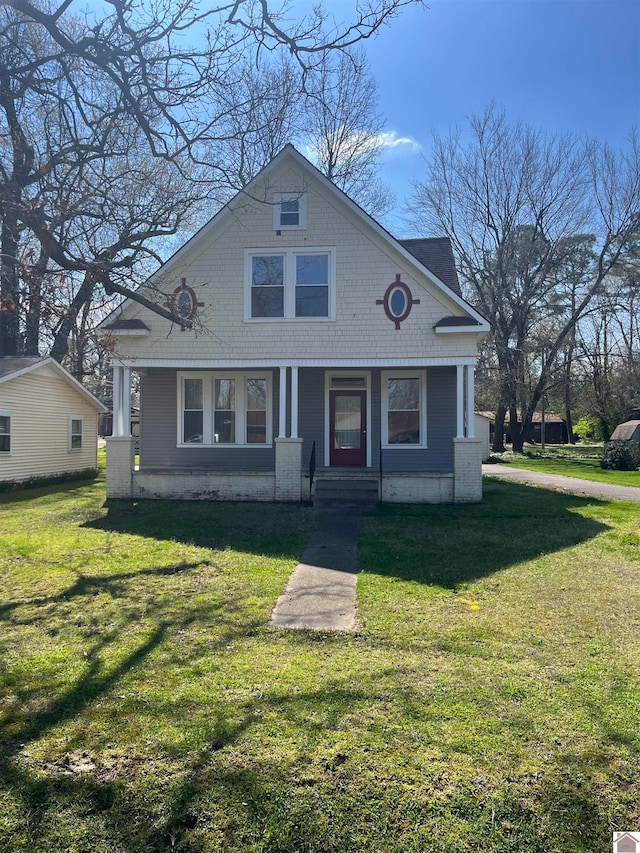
{"type": "Point", "coordinates": [312, 467]}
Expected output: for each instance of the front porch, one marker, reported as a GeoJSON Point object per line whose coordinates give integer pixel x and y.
{"type": "Point", "coordinates": [398, 432]}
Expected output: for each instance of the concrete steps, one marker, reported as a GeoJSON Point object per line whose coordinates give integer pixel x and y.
{"type": "Point", "coordinates": [342, 491]}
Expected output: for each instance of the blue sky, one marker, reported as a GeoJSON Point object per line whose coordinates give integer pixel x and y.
{"type": "Point", "coordinates": [563, 65]}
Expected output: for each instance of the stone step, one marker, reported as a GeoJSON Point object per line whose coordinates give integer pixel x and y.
{"type": "Point", "coordinates": [341, 492]}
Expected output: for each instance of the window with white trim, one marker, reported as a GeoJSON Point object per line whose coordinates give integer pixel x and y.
{"type": "Point", "coordinates": [193, 411]}
{"type": "Point", "coordinates": [404, 413]}
{"type": "Point", "coordinates": [291, 284]}
{"type": "Point", "coordinates": [5, 432]}
{"type": "Point", "coordinates": [289, 211]}
{"type": "Point", "coordinates": [224, 408]}
{"type": "Point", "coordinates": [75, 433]}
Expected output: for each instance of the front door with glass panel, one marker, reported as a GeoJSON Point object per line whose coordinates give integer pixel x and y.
{"type": "Point", "coordinates": [348, 428]}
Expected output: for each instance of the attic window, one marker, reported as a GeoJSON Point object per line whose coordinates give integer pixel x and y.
{"type": "Point", "coordinates": [289, 211]}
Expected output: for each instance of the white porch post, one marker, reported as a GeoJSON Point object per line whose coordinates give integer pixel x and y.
{"type": "Point", "coordinates": [471, 409]}
{"type": "Point", "coordinates": [126, 401]}
{"type": "Point", "coordinates": [120, 443]}
{"type": "Point", "coordinates": [282, 417]}
{"type": "Point", "coordinates": [460, 402]}
{"type": "Point", "coordinates": [117, 427]}
{"type": "Point", "coordinates": [294, 402]}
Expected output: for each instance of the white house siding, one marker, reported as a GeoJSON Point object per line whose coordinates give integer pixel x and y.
{"type": "Point", "coordinates": [41, 403]}
{"type": "Point", "coordinates": [365, 266]}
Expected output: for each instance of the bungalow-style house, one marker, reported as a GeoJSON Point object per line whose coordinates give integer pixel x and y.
{"type": "Point", "coordinates": [555, 428]}
{"type": "Point", "coordinates": [322, 349]}
{"type": "Point", "coordinates": [48, 421]}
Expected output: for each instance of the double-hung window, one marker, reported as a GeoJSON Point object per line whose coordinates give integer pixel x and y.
{"type": "Point", "coordinates": [404, 409]}
{"type": "Point", "coordinates": [192, 411]}
{"type": "Point", "coordinates": [75, 433]}
{"type": "Point", "coordinates": [225, 408]}
{"type": "Point", "coordinates": [290, 284]}
{"type": "Point", "coordinates": [5, 432]}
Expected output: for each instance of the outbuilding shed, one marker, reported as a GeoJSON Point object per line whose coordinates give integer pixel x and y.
{"type": "Point", "coordinates": [628, 431]}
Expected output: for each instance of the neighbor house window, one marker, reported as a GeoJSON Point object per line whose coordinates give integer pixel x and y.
{"type": "Point", "coordinates": [293, 284]}
{"type": "Point", "coordinates": [289, 211]}
{"type": "Point", "coordinates": [75, 433]}
{"type": "Point", "coordinates": [404, 409]}
{"type": "Point", "coordinates": [5, 432]}
{"type": "Point", "coordinates": [229, 409]}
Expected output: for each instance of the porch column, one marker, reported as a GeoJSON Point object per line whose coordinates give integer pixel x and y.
{"type": "Point", "coordinates": [460, 402]}
{"type": "Point", "coordinates": [471, 408]}
{"type": "Point", "coordinates": [116, 407]}
{"type": "Point", "coordinates": [126, 401]}
{"type": "Point", "coordinates": [120, 444]}
{"type": "Point", "coordinates": [282, 417]}
{"type": "Point", "coordinates": [121, 401]}
{"type": "Point", "coordinates": [294, 402]}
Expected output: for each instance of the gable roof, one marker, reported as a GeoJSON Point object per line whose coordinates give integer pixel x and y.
{"type": "Point", "coordinates": [625, 431]}
{"type": "Point", "coordinates": [436, 250]}
{"type": "Point", "coordinates": [11, 367]}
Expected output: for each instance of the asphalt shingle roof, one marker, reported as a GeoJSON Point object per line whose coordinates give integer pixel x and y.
{"type": "Point", "coordinates": [436, 254]}
{"type": "Point", "coordinates": [11, 363]}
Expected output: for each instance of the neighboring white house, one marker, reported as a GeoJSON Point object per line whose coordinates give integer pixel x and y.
{"type": "Point", "coordinates": [317, 336]}
{"type": "Point", "coordinates": [483, 432]}
{"type": "Point", "coordinates": [48, 421]}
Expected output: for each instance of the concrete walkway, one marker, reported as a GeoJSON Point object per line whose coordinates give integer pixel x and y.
{"type": "Point", "coordinates": [321, 592]}
{"type": "Point", "coordinates": [559, 483]}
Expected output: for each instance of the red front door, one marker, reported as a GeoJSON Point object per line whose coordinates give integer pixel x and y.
{"type": "Point", "coordinates": [348, 428]}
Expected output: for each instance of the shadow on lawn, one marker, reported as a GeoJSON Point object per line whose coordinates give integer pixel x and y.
{"type": "Point", "coordinates": [257, 528]}
{"type": "Point", "coordinates": [451, 545]}
{"type": "Point", "coordinates": [222, 797]}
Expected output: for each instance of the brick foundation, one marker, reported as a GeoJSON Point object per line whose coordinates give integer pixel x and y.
{"type": "Point", "coordinates": [468, 470]}
{"type": "Point", "coordinates": [288, 469]}
{"type": "Point", "coordinates": [120, 467]}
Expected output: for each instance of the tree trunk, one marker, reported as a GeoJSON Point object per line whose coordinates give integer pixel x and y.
{"type": "Point", "coordinates": [60, 346]}
{"type": "Point", "coordinates": [517, 436]}
{"type": "Point", "coordinates": [498, 432]}
{"type": "Point", "coordinates": [33, 308]}
{"type": "Point", "coordinates": [9, 283]}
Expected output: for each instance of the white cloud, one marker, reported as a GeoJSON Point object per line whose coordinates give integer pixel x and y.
{"type": "Point", "coordinates": [390, 139]}
{"type": "Point", "coordinates": [360, 142]}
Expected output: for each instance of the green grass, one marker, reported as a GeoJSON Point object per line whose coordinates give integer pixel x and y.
{"type": "Point", "coordinates": [488, 702]}
{"type": "Point", "coordinates": [584, 468]}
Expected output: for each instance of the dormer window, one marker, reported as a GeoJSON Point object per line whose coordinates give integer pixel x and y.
{"type": "Point", "coordinates": [289, 211]}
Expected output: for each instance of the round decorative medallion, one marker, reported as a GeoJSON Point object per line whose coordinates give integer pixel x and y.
{"type": "Point", "coordinates": [397, 301]}
{"type": "Point", "coordinates": [185, 301]}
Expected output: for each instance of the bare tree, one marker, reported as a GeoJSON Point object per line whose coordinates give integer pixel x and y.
{"type": "Point", "coordinates": [537, 222]}
{"type": "Point", "coordinates": [130, 78]}
{"type": "Point", "coordinates": [342, 128]}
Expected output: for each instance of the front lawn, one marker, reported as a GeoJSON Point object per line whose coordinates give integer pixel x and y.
{"type": "Point", "coordinates": [583, 468]}
{"type": "Point", "coordinates": [489, 701]}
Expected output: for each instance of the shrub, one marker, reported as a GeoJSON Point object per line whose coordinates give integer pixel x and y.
{"type": "Point", "coordinates": [621, 456]}
{"type": "Point", "coordinates": [588, 429]}
{"type": "Point", "coordinates": [50, 480]}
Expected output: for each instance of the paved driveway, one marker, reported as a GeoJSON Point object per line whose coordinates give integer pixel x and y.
{"type": "Point", "coordinates": [563, 484]}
